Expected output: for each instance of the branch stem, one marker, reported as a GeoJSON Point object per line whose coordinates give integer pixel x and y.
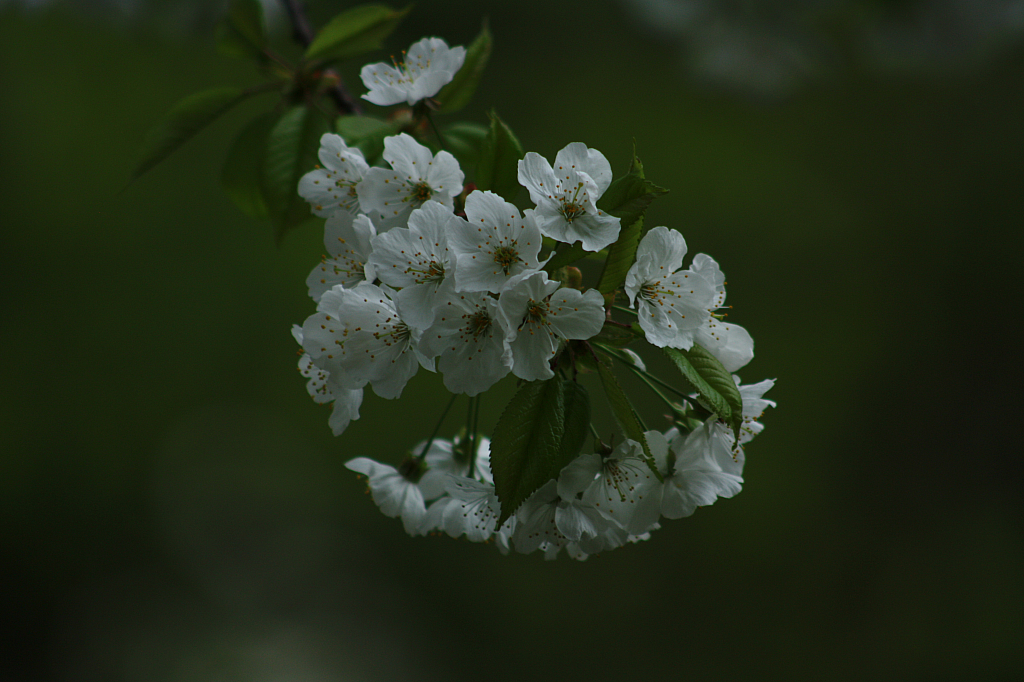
{"type": "Point", "coordinates": [474, 437]}
{"type": "Point", "coordinates": [303, 34]}
{"type": "Point", "coordinates": [437, 429]}
{"type": "Point", "coordinates": [647, 375]}
{"type": "Point", "coordinates": [437, 131]}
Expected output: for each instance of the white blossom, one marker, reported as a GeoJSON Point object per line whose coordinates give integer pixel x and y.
{"type": "Point", "coordinates": [381, 346]}
{"type": "Point", "coordinates": [470, 508]}
{"type": "Point", "coordinates": [547, 522]}
{"type": "Point", "coordinates": [347, 241]}
{"type": "Point", "coordinates": [324, 388]}
{"type": "Point", "coordinates": [449, 457]}
{"type": "Point", "coordinates": [538, 316]}
{"type": "Point", "coordinates": [331, 189]}
{"type": "Point", "coordinates": [493, 244]}
{"type": "Point", "coordinates": [621, 485]}
{"type": "Point", "coordinates": [471, 339]}
{"type": "Point", "coordinates": [754, 405]}
{"type": "Point", "coordinates": [705, 469]}
{"type": "Point", "coordinates": [360, 334]}
{"type": "Point", "coordinates": [416, 177]}
{"type": "Point", "coordinates": [671, 306]}
{"type": "Point", "coordinates": [730, 343]}
{"type": "Point", "coordinates": [429, 65]}
{"type": "Point", "coordinates": [418, 261]}
{"type": "Point", "coordinates": [396, 493]}
{"type": "Point", "coordinates": [709, 463]}
{"type": "Point", "coordinates": [566, 195]}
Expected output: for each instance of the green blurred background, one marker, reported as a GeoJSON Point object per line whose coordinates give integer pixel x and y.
{"type": "Point", "coordinates": [174, 507]}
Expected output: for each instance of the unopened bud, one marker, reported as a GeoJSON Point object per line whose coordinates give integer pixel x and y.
{"type": "Point", "coordinates": [569, 277]}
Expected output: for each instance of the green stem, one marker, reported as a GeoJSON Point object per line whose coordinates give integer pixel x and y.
{"type": "Point", "coordinates": [668, 401]}
{"type": "Point", "coordinates": [475, 443]}
{"type": "Point", "coordinates": [437, 131]}
{"type": "Point", "coordinates": [641, 374]}
{"type": "Point", "coordinates": [623, 309]}
{"type": "Point", "coordinates": [470, 443]}
{"type": "Point", "coordinates": [437, 429]}
{"type": "Point", "coordinates": [650, 376]}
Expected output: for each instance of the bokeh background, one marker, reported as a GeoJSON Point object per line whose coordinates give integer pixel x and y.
{"type": "Point", "coordinates": [173, 507]}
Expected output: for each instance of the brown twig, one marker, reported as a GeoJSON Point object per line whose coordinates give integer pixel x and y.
{"type": "Point", "coordinates": [303, 34]}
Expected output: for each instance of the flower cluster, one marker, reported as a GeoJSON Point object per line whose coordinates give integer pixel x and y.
{"type": "Point", "coordinates": [407, 283]}
{"type": "Point", "coordinates": [424, 271]}
{"type": "Point", "coordinates": [599, 502]}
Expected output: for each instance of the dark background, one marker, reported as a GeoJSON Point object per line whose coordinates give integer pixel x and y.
{"type": "Point", "coordinates": [173, 507]}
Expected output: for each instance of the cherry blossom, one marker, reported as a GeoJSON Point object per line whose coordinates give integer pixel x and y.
{"type": "Point", "coordinates": [428, 66]}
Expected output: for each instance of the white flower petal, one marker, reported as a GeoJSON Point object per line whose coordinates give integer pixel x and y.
{"type": "Point", "coordinates": [731, 344]}
{"type": "Point", "coordinates": [537, 176]}
{"type": "Point", "coordinates": [346, 409]}
{"type": "Point", "coordinates": [577, 520]}
{"type": "Point", "coordinates": [330, 189]}
{"type": "Point", "coordinates": [578, 475]}
{"type": "Point", "coordinates": [577, 156]}
{"type": "Point", "coordinates": [576, 315]}
{"type": "Point", "coordinates": [533, 348]}
{"type": "Point", "coordinates": [409, 158]}
{"type": "Point", "coordinates": [385, 83]}
{"type": "Point", "coordinates": [429, 65]}
{"type": "Point", "coordinates": [664, 249]}
{"type": "Point", "coordinates": [494, 244]}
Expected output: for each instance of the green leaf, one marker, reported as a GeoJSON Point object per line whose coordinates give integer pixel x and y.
{"type": "Point", "coordinates": [565, 257]}
{"type": "Point", "coordinates": [242, 175]}
{"type": "Point", "coordinates": [465, 140]}
{"type": "Point", "coordinates": [185, 119]}
{"type": "Point", "coordinates": [459, 91]}
{"type": "Point", "coordinates": [711, 382]}
{"type": "Point", "coordinates": [365, 132]}
{"type": "Point", "coordinates": [540, 431]}
{"type": "Point", "coordinates": [499, 160]}
{"type": "Point", "coordinates": [291, 152]}
{"type": "Point", "coordinates": [625, 414]}
{"type": "Point", "coordinates": [621, 256]}
{"type": "Point", "coordinates": [577, 422]}
{"type": "Point", "coordinates": [614, 335]}
{"type": "Point", "coordinates": [355, 31]}
{"type": "Point", "coordinates": [630, 195]}
{"type": "Point", "coordinates": [243, 33]}
{"type": "Point", "coordinates": [627, 198]}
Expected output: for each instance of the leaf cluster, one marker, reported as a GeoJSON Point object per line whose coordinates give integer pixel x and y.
{"type": "Point", "coordinates": [273, 150]}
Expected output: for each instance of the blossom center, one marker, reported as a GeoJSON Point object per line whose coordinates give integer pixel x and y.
{"type": "Point", "coordinates": [421, 193]}
{"type": "Point", "coordinates": [616, 478]}
{"type": "Point", "coordinates": [573, 207]}
{"type": "Point", "coordinates": [412, 469]}
{"type": "Point", "coordinates": [399, 333]}
{"type": "Point", "coordinates": [404, 75]}
{"type": "Point", "coordinates": [536, 311]}
{"type": "Point", "coordinates": [339, 263]}
{"type": "Point", "coordinates": [435, 272]}
{"type": "Point", "coordinates": [479, 323]}
{"type": "Point", "coordinates": [350, 193]}
{"type": "Point", "coordinates": [649, 291]}
{"type": "Point", "coordinates": [506, 257]}
{"type": "Point", "coordinates": [571, 210]}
